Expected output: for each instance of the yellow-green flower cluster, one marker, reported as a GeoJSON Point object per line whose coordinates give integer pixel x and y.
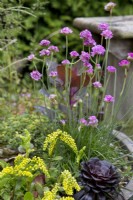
{"type": "Point", "coordinates": [39, 164]}
{"type": "Point", "coordinates": [7, 170]}
{"type": "Point", "coordinates": [69, 182]}
{"type": "Point", "coordinates": [51, 195]}
{"type": "Point", "coordinates": [67, 198]}
{"type": "Point", "coordinates": [65, 137]}
{"type": "Point", "coordinates": [25, 167]}
{"type": "Point", "coordinates": [52, 138]}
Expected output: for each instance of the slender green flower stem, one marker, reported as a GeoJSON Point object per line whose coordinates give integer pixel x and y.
{"type": "Point", "coordinates": [114, 94]}
{"type": "Point", "coordinates": [66, 46]}
{"type": "Point", "coordinates": [105, 87]}
{"type": "Point", "coordinates": [106, 60]}
{"type": "Point", "coordinates": [124, 84]}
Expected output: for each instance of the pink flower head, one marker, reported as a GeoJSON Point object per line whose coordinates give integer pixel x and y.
{"type": "Point", "coordinates": [85, 56]}
{"type": "Point", "coordinates": [103, 26]}
{"type": "Point", "coordinates": [52, 96]}
{"type": "Point", "coordinates": [97, 84]}
{"type": "Point", "coordinates": [88, 65]}
{"type": "Point", "coordinates": [63, 122]}
{"type": "Point", "coordinates": [89, 42]}
{"type": "Point", "coordinates": [44, 42]}
{"type": "Point", "coordinates": [83, 121]}
{"type": "Point", "coordinates": [31, 57]}
{"type": "Point", "coordinates": [124, 63]}
{"type": "Point", "coordinates": [53, 48]}
{"type": "Point", "coordinates": [44, 52]}
{"type": "Point", "coordinates": [107, 34]}
{"type": "Point", "coordinates": [98, 66]}
{"type": "Point", "coordinates": [74, 54]}
{"type": "Point", "coordinates": [93, 121]}
{"type": "Point", "coordinates": [53, 74]}
{"type": "Point", "coordinates": [85, 34]}
{"type": "Point", "coordinates": [108, 98]}
{"type": "Point", "coordinates": [66, 31]}
{"type": "Point", "coordinates": [109, 6]}
{"type": "Point", "coordinates": [98, 50]}
{"type": "Point", "coordinates": [130, 56]}
{"type": "Point", "coordinates": [36, 75]}
{"type": "Point", "coordinates": [89, 71]}
{"type": "Point", "coordinates": [65, 62]}
{"type": "Point", "coordinates": [111, 69]}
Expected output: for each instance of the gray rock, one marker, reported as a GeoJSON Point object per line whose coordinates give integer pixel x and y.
{"type": "Point", "coordinates": [122, 26]}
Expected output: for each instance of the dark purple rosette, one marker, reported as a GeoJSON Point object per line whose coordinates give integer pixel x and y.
{"type": "Point", "coordinates": [99, 180]}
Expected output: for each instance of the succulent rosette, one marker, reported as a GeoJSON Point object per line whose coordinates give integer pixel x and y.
{"type": "Point", "coordinates": [99, 179]}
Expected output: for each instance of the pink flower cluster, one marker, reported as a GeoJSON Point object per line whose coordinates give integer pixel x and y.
{"type": "Point", "coordinates": [53, 48]}
{"type": "Point", "coordinates": [98, 50]}
{"type": "Point", "coordinates": [87, 38]}
{"type": "Point", "coordinates": [93, 121]}
{"type": "Point", "coordinates": [53, 74]}
{"type": "Point", "coordinates": [111, 69]}
{"type": "Point", "coordinates": [44, 52]}
{"type": "Point", "coordinates": [44, 42]}
{"type": "Point", "coordinates": [65, 62]}
{"type": "Point", "coordinates": [74, 54]}
{"type": "Point", "coordinates": [130, 56]}
{"type": "Point", "coordinates": [124, 63]}
{"type": "Point", "coordinates": [31, 57]}
{"type": "Point", "coordinates": [97, 84]}
{"type": "Point", "coordinates": [108, 98]}
{"type": "Point", "coordinates": [66, 31]}
{"type": "Point", "coordinates": [107, 34]}
{"type": "Point", "coordinates": [103, 26]}
{"type": "Point", "coordinates": [36, 75]}
{"type": "Point", "coordinates": [109, 6]}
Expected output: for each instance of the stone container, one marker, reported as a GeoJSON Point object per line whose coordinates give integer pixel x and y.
{"type": "Point", "coordinates": [120, 45]}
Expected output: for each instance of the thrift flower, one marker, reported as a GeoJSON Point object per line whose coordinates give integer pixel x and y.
{"type": "Point", "coordinates": [98, 66]}
{"type": "Point", "coordinates": [107, 34]}
{"type": "Point", "coordinates": [52, 96]}
{"type": "Point", "coordinates": [98, 50]}
{"type": "Point", "coordinates": [65, 62]}
{"type": "Point", "coordinates": [63, 122]}
{"type": "Point", "coordinates": [74, 54]}
{"type": "Point", "coordinates": [36, 75]}
{"type": "Point", "coordinates": [109, 6]}
{"type": "Point", "coordinates": [66, 30]}
{"type": "Point", "coordinates": [108, 98]}
{"type": "Point", "coordinates": [53, 48]}
{"type": "Point", "coordinates": [44, 42]}
{"type": "Point", "coordinates": [89, 71]}
{"type": "Point", "coordinates": [93, 121]}
{"type": "Point", "coordinates": [85, 34]}
{"type": "Point", "coordinates": [83, 121]}
{"type": "Point", "coordinates": [44, 52]}
{"type": "Point", "coordinates": [53, 74]}
{"type": "Point", "coordinates": [89, 42]}
{"type": "Point", "coordinates": [103, 26]}
{"type": "Point", "coordinates": [97, 84]}
{"type": "Point", "coordinates": [111, 69]}
{"type": "Point", "coordinates": [85, 56]}
{"type": "Point", "coordinates": [31, 57]}
{"type": "Point", "coordinates": [124, 63]}
{"type": "Point", "coordinates": [87, 64]}
{"type": "Point", "coordinates": [130, 56]}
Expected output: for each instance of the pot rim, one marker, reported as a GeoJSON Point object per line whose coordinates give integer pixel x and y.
{"type": "Point", "coordinates": [128, 143]}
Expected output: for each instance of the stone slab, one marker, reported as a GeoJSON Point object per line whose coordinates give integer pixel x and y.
{"type": "Point", "coordinates": [121, 26]}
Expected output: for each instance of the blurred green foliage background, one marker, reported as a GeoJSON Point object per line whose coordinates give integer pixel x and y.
{"type": "Point", "coordinates": [30, 21]}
